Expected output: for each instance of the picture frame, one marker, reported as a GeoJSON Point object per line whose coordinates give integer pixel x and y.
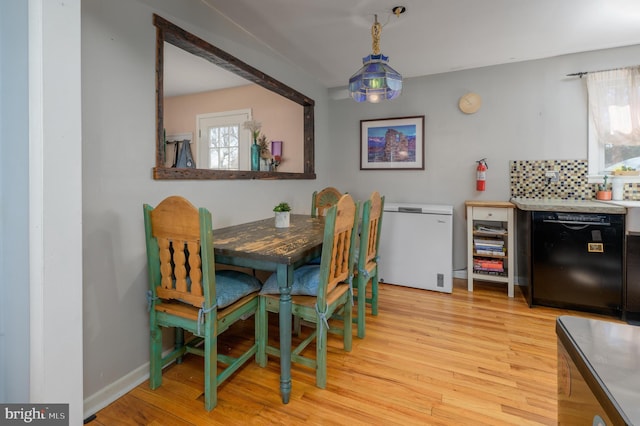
{"type": "Point", "coordinates": [392, 143]}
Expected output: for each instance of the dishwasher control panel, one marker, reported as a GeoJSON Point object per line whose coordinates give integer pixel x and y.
{"type": "Point", "coordinates": [576, 218]}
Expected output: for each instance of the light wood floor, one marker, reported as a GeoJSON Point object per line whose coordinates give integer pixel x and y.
{"type": "Point", "coordinates": [428, 358]}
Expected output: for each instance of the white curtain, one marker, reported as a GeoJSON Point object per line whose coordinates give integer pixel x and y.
{"type": "Point", "coordinates": [614, 105]}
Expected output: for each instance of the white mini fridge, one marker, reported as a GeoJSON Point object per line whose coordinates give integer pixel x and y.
{"type": "Point", "coordinates": [416, 246]}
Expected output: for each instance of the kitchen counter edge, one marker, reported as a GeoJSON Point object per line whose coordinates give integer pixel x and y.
{"type": "Point", "coordinates": [560, 205]}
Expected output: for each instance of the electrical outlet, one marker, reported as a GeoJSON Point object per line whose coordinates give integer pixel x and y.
{"type": "Point", "coordinates": [552, 175]}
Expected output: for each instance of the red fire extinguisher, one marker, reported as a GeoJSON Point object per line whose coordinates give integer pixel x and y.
{"type": "Point", "coordinates": [481, 174]}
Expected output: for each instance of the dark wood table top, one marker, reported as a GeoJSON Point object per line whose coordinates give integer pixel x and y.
{"type": "Point", "coordinates": [260, 245]}
{"type": "Point", "coordinates": [261, 240]}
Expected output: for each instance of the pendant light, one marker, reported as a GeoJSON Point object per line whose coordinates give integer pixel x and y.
{"type": "Point", "coordinates": [376, 80]}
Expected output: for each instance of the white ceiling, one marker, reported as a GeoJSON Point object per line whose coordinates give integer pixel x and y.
{"type": "Point", "coordinates": [329, 38]}
{"type": "Point", "coordinates": [185, 73]}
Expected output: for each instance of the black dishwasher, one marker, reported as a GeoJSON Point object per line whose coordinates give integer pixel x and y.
{"type": "Point", "coordinates": [577, 261]}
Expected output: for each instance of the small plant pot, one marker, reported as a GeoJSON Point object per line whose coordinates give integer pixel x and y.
{"type": "Point", "coordinates": [603, 195]}
{"type": "Point", "coordinates": [282, 219]}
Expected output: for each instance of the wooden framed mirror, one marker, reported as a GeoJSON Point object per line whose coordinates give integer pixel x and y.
{"type": "Point", "coordinates": [167, 32]}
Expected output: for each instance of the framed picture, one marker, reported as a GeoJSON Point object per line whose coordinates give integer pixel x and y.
{"type": "Point", "coordinates": [392, 144]}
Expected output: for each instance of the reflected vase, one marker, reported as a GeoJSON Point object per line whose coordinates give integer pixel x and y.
{"type": "Point", "coordinates": [264, 165]}
{"type": "Point", "coordinates": [255, 156]}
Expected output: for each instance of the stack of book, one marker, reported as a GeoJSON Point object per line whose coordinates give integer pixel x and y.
{"type": "Point", "coordinates": [488, 265]}
{"type": "Point", "coordinates": [487, 229]}
{"type": "Point", "coordinates": [492, 247]}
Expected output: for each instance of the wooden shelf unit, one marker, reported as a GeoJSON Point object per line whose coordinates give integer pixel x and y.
{"type": "Point", "coordinates": [496, 215]}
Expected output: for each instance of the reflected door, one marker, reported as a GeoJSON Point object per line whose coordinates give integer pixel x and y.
{"type": "Point", "coordinates": [223, 144]}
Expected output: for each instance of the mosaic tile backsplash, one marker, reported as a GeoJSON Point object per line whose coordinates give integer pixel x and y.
{"type": "Point", "coordinates": [527, 180]}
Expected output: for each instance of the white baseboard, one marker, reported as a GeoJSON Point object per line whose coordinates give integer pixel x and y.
{"type": "Point", "coordinates": [460, 273]}
{"type": "Point", "coordinates": [115, 390]}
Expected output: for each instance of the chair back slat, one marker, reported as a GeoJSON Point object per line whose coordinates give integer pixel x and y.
{"type": "Point", "coordinates": [179, 267]}
{"type": "Point", "coordinates": [175, 225]}
{"type": "Point", "coordinates": [166, 270]}
{"type": "Point", "coordinates": [195, 262]}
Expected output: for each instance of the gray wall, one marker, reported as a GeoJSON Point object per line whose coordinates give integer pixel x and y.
{"type": "Point", "coordinates": [14, 209]}
{"type": "Point", "coordinates": [530, 110]}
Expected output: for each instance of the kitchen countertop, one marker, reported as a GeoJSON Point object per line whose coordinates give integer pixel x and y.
{"type": "Point", "coordinates": [607, 355]}
{"type": "Point", "coordinates": [560, 205]}
{"type": "Point", "coordinates": [484, 203]}
{"type": "Point", "coordinates": [625, 203]}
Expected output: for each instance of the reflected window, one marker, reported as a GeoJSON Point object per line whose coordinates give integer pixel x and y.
{"type": "Point", "coordinates": [224, 147]}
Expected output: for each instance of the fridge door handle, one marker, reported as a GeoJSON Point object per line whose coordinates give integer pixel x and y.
{"type": "Point", "coordinates": [409, 209]}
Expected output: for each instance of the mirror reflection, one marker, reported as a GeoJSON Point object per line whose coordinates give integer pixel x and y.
{"type": "Point", "coordinates": [205, 96]}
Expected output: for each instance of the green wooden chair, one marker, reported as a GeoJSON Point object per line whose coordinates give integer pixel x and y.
{"type": "Point", "coordinates": [366, 269]}
{"type": "Point", "coordinates": [319, 291]}
{"type": "Point", "coordinates": [322, 200]}
{"type": "Point", "coordinates": [186, 293]}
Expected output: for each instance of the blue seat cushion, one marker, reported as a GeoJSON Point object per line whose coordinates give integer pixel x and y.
{"type": "Point", "coordinates": [231, 286]}
{"type": "Point", "coordinates": [305, 282]}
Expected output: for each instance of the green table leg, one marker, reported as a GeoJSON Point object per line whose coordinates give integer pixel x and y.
{"type": "Point", "coordinates": [285, 280]}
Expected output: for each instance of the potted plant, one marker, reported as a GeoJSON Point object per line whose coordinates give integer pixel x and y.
{"type": "Point", "coordinates": [604, 191]}
{"type": "Point", "coordinates": [282, 215]}
{"type": "Point", "coordinates": [626, 171]}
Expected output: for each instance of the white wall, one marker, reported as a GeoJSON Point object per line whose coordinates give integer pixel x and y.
{"type": "Point", "coordinates": [118, 82]}
{"type": "Point", "coordinates": [55, 205]}
{"type": "Point", "coordinates": [530, 111]}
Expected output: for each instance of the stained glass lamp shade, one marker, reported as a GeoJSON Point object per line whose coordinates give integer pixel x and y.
{"type": "Point", "coordinates": [376, 80]}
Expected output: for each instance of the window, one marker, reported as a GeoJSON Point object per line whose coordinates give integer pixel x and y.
{"type": "Point", "coordinates": [223, 144]}
{"type": "Point", "coordinates": [614, 119]}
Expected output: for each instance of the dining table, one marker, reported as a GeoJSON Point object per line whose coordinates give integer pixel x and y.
{"type": "Point", "coordinates": [261, 246]}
